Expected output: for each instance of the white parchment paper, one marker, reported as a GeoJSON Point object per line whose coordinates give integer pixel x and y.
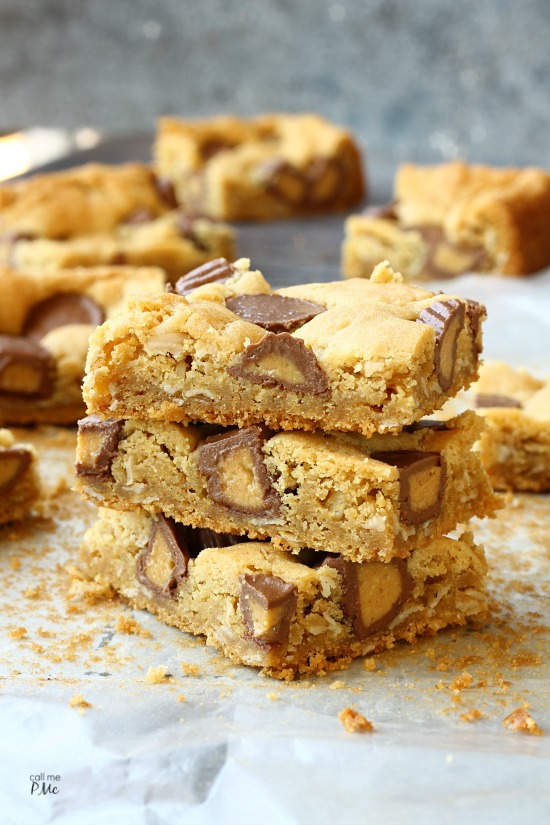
{"type": "Point", "coordinates": [217, 743]}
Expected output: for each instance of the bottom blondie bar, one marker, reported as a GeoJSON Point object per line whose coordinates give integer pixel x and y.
{"type": "Point", "coordinates": [19, 485]}
{"type": "Point", "coordinates": [287, 614]}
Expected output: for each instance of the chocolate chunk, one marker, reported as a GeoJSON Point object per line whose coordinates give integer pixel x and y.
{"type": "Point", "coordinates": [60, 310]}
{"type": "Point", "coordinates": [97, 445]}
{"type": "Point", "coordinates": [447, 320]}
{"type": "Point", "coordinates": [201, 537]}
{"type": "Point", "coordinates": [268, 605]}
{"type": "Point", "coordinates": [162, 565]}
{"type": "Point", "coordinates": [476, 315]}
{"type": "Point", "coordinates": [275, 313]}
{"type": "Point", "coordinates": [139, 217]}
{"type": "Point", "coordinates": [14, 461]}
{"type": "Point", "coordinates": [324, 177]}
{"type": "Point", "coordinates": [373, 592]}
{"type": "Point", "coordinates": [280, 360]}
{"type": "Point", "coordinates": [426, 424]}
{"type": "Point", "coordinates": [494, 400]}
{"type": "Point", "coordinates": [385, 212]}
{"type": "Point", "coordinates": [285, 181]}
{"type": "Point", "coordinates": [217, 270]}
{"type": "Point", "coordinates": [26, 368]}
{"type": "Point", "coordinates": [445, 259]}
{"type": "Point", "coordinates": [237, 475]}
{"type": "Point", "coordinates": [421, 482]}
{"type": "Point", "coordinates": [165, 189]}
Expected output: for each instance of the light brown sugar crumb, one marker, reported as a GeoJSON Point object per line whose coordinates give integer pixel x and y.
{"type": "Point", "coordinates": [189, 670]}
{"type": "Point", "coordinates": [78, 701]}
{"type": "Point", "coordinates": [520, 720]}
{"type": "Point", "coordinates": [355, 722]}
{"type": "Point", "coordinates": [157, 675]}
{"type": "Point", "coordinates": [129, 626]}
{"type": "Point", "coordinates": [471, 715]}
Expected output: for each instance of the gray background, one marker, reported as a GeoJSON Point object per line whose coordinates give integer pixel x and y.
{"type": "Point", "coordinates": [420, 80]}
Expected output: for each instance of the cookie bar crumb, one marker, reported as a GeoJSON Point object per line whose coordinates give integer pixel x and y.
{"type": "Point", "coordinates": [18, 632]}
{"type": "Point", "coordinates": [181, 697]}
{"type": "Point", "coordinates": [338, 685]}
{"type": "Point", "coordinates": [520, 720]}
{"type": "Point", "coordinates": [78, 701]}
{"type": "Point", "coordinates": [130, 627]}
{"type": "Point", "coordinates": [189, 670]}
{"type": "Point", "coordinates": [157, 675]}
{"type": "Point", "coordinates": [370, 664]}
{"type": "Point", "coordinates": [355, 722]}
{"type": "Point", "coordinates": [471, 715]}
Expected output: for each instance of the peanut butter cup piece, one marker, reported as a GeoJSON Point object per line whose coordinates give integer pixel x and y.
{"type": "Point", "coordinates": [421, 482]}
{"type": "Point", "coordinates": [237, 475]}
{"type": "Point", "coordinates": [476, 315]}
{"type": "Point", "coordinates": [268, 605]}
{"type": "Point", "coordinates": [444, 258]}
{"type": "Point", "coordinates": [97, 445]}
{"type": "Point", "coordinates": [275, 313]}
{"type": "Point", "coordinates": [373, 592]}
{"type": "Point", "coordinates": [324, 176]}
{"type": "Point", "coordinates": [162, 565]}
{"type": "Point", "coordinates": [426, 424]}
{"type": "Point", "coordinates": [280, 360]}
{"type": "Point", "coordinates": [166, 191]}
{"type": "Point", "coordinates": [494, 400]}
{"type": "Point", "coordinates": [14, 461]}
{"type": "Point", "coordinates": [217, 270]}
{"type": "Point", "coordinates": [285, 181]}
{"type": "Point", "coordinates": [26, 368]}
{"type": "Point", "coordinates": [447, 320]}
{"type": "Point", "coordinates": [60, 310]}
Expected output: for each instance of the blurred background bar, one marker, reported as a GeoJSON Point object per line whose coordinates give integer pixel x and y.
{"type": "Point", "coordinates": [424, 80]}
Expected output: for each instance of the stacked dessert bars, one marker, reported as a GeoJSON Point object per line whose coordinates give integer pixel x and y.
{"type": "Point", "coordinates": [262, 475]}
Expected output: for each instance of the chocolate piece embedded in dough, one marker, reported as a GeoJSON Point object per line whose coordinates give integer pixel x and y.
{"type": "Point", "coordinates": [13, 463]}
{"type": "Point", "coordinates": [373, 592]}
{"type": "Point", "coordinates": [272, 312]}
{"type": "Point", "coordinates": [284, 181]}
{"type": "Point", "coordinates": [97, 445]}
{"type": "Point", "coordinates": [162, 565]}
{"type": "Point", "coordinates": [421, 480]}
{"type": "Point", "coordinates": [324, 177]}
{"type": "Point", "coordinates": [476, 313]}
{"type": "Point", "coordinates": [217, 270]}
{"type": "Point", "coordinates": [139, 217]}
{"type": "Point", "coordinates": [237, 475]}
{"type": "Point", "coordinates": [447, 320]}
{"type": "Point", "coordinates": [166, 191]}
{"type": "Point", "coordinates": [426, 424]}
{"type": "Point", "coordinates": [445, 259]}
{"type": "Point", "coordinates": [268, 605]}
{"type": "Point", "coordinates": [60, 310]}
{"type": "Point", "coordinates": [494, 400]}
{"type": "Point", "coordinates": [26, 368]}
{"type": "Point", "coordinates": [280, 360]}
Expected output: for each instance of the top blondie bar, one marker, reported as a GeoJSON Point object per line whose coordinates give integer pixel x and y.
{"type": "Point", "coordinates": [454, 218]}
{"type": "Point", "coordinates": [365, 356]}
{"type": "Point", "coordinates": [272, 166]}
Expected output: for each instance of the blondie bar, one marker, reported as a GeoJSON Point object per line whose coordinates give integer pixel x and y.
{"type": "Point", "coordinates": [173, 241]}
{"type": "Point", "coordinates": [374, 498]}
{"type": "Point", "coordinates": [286, 614]}
{"type": "Point", "coordinates": [455, 218]}
{"type": "Point", "coordinates": [365, 356]}
{"type": "Point", "coordinates": [45, 321]}
{"type": "Point", "coordinates": [272, 166]}
{"type": "Point", "coordinates": [80, 201]}
{"type": "Point", "coordinates": [515, 445]}
{"type": "Point", "coordinates": [19, 484]}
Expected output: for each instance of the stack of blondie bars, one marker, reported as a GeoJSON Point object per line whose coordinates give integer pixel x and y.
{"type": "Point", "coordinates": [262, 472]}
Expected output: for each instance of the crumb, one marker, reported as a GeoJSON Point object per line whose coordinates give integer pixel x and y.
{"type": "Point", "coordinates": [369, 664]}
{"type": "Point", "coordinates": [471, 715]}
{"type": "Point", "coordinates": [18, 633]}
{"type": "Point", "coordinates": [465, 680]}
{"type": "Point", "coordinates": [521, 720]}
{"type": "Point", "coordinates": [181, 697]}
{"type": "Point", "coordinates": [189, 669]}
{"type": "Point", "coordinates": [156, 675]}
{"type": "Point", "coordinates": [129, 626]}
{"type": "Point", "coordinates": [338, 685]}
{"type": "Point", "coordinates": [15, 564]}
{"type": "Point", "coordinates": [33, 593]}
{"type": "Point", "coordinates": [78, 701]}
{"type": "Point", "coordinates": [273, 696]}
{"type": "Point", "coordinates": [91, 592]}
{"type": "Point", "coordinates": [355, 722]}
